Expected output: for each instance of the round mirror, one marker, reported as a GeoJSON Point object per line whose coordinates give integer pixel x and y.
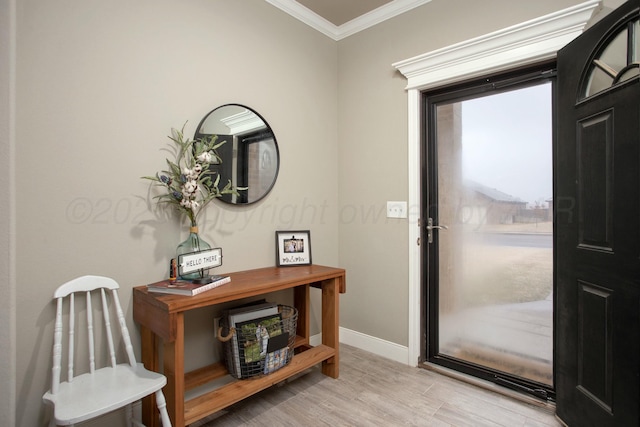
{"type": "Point", "coordinates": [250, 156]}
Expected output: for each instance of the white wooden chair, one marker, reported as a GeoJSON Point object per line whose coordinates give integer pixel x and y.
{"type": "Point", "coordinates": [105, 389]}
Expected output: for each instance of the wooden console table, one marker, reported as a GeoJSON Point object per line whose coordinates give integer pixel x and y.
{"type": "Point", "coordinates": [161, 319]}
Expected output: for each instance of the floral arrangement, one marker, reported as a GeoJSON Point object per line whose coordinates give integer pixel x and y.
{"type": "Point", "coordinates": [187, 181]}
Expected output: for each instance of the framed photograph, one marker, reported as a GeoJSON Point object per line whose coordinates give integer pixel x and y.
{"type": "Point", "coordinates": [293, 248]}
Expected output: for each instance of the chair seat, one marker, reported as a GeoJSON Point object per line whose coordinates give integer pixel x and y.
{"type": "Point", "coordinates": [107, 389]}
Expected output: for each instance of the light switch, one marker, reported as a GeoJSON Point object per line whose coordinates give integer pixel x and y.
{"type": "Point", "coordinates": [396, 209]}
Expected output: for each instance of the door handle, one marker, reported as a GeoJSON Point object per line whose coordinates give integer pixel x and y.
{"type": "Point", "coordinates": [430, 227]}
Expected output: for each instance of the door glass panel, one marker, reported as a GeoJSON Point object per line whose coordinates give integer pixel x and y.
{"type": "Point", "coordinates": [495, 260]}
{"type": "Point", "coordinates": [618, 62]}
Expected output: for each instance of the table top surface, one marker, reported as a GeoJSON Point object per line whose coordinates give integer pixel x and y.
{"type": "Point", "coordinates": [243, 284]}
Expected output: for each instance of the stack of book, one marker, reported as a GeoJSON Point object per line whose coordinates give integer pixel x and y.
{"type": "Point", "coordinates": [260, 342]}
{"type": "Point", "coordinates": [183, 287]}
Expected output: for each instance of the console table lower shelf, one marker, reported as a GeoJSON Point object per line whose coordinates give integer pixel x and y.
{"type": "Point", "coordinates": [194, 395]}
{"type": "Point", "coordinates": [221, 397]}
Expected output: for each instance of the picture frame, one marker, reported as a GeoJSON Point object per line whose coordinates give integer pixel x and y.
{"type": "Point", "coordinates": [293, 248]}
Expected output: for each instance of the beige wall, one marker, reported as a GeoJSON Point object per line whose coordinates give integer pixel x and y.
{"type": "Point", "coordinates": [7, 229]}
{"type": "Point", "coordinates": [100, 84]}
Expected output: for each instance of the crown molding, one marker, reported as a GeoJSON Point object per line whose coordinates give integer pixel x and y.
{"type": "Point", "coordinates": [242, 122]}
{"type": "Point", "coordinates": [305, 15]}
{"type": "Point", "coordinates": [528, 42]}
{"type": "Point", "coordinates": [376, 16]}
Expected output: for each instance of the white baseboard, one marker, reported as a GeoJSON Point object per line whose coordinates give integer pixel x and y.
{"type": "Point", "coordinates": [371, 344]}
{"type": "Point", "coordinates": [315, 340]}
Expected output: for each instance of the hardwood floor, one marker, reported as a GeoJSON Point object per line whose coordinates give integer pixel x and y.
{"type": "Point", "coordinates": [374, 391]}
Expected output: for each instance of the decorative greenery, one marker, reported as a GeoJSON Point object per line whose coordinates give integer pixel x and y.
{"type": "Point", "coordinates": [188, 181]}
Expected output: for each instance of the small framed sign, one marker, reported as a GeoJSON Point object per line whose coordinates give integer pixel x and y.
{"type": "Point", "coordinates": [201, 260]}
{"type": "Point", "coordinates": [293, 248]}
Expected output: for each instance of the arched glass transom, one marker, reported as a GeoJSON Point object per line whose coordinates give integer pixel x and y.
{"type": "Point", "coordinates": [617, 61]}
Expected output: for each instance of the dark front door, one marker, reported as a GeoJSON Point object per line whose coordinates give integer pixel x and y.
{"type": "Point", "coordinates": [598, 225]}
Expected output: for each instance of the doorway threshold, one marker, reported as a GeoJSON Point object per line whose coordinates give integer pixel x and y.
{"type": "Point", "coordinates": [488, 385]}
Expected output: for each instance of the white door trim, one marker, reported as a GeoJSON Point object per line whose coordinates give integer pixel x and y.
{"type": "Point", "coordinates": [522, 44]}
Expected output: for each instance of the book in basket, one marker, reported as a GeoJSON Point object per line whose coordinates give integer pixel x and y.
{"type": "Point", "coordinates": [256, 339]}
{"type": "Point", "coordinates": [182, 287]}
{"type": "Point", "coordinates": [277, 352]}
{"type": "Point", "coordinates": [242, 314]}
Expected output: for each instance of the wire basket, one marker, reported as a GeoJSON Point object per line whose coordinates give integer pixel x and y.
{"type": "Point", "coordinates": [259, 346]}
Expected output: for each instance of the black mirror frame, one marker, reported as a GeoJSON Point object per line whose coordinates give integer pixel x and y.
{"type": "Point", "coordinates": [198, 135]}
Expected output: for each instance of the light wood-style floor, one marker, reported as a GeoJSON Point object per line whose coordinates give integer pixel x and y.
{"type": "Point", "coordinates": [374, 391]}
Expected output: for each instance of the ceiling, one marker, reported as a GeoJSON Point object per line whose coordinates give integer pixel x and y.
{"type": "Point", "coordinates": [341, 18]}
{"type": "Point", "coordinates": [339, 12]}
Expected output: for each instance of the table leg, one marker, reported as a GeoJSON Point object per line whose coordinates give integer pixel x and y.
{"type": "Point", "coordinates": [149, 347]}
{"type": "Point", "coordinates": [174, 371]}
{"type": "Point", "coordinates": [330, 325]}
{"type": "Point", "coordinates": [302, 303]}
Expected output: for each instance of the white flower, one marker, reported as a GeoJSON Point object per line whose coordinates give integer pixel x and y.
{"type": "Point", "coordinates": [205, 157]}
{"type": "Point", "coordinates": [190, 187]}
{"type": "Point", "coordinates": [183, 177]}
{"type": "Point", "coordinates": [189, 204]}
{"type": "Point", "coordinates": [192, 173]}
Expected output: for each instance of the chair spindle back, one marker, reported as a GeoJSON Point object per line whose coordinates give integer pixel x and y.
{"type": "Point", "coordinates": [86, 285]}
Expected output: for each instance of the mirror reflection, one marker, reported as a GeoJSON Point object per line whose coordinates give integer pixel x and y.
{"type": "Point", "coordinates": [250, 156]}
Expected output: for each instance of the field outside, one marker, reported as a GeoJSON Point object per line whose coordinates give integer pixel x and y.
{"type": "Point", "coordinates": [495, 274]}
